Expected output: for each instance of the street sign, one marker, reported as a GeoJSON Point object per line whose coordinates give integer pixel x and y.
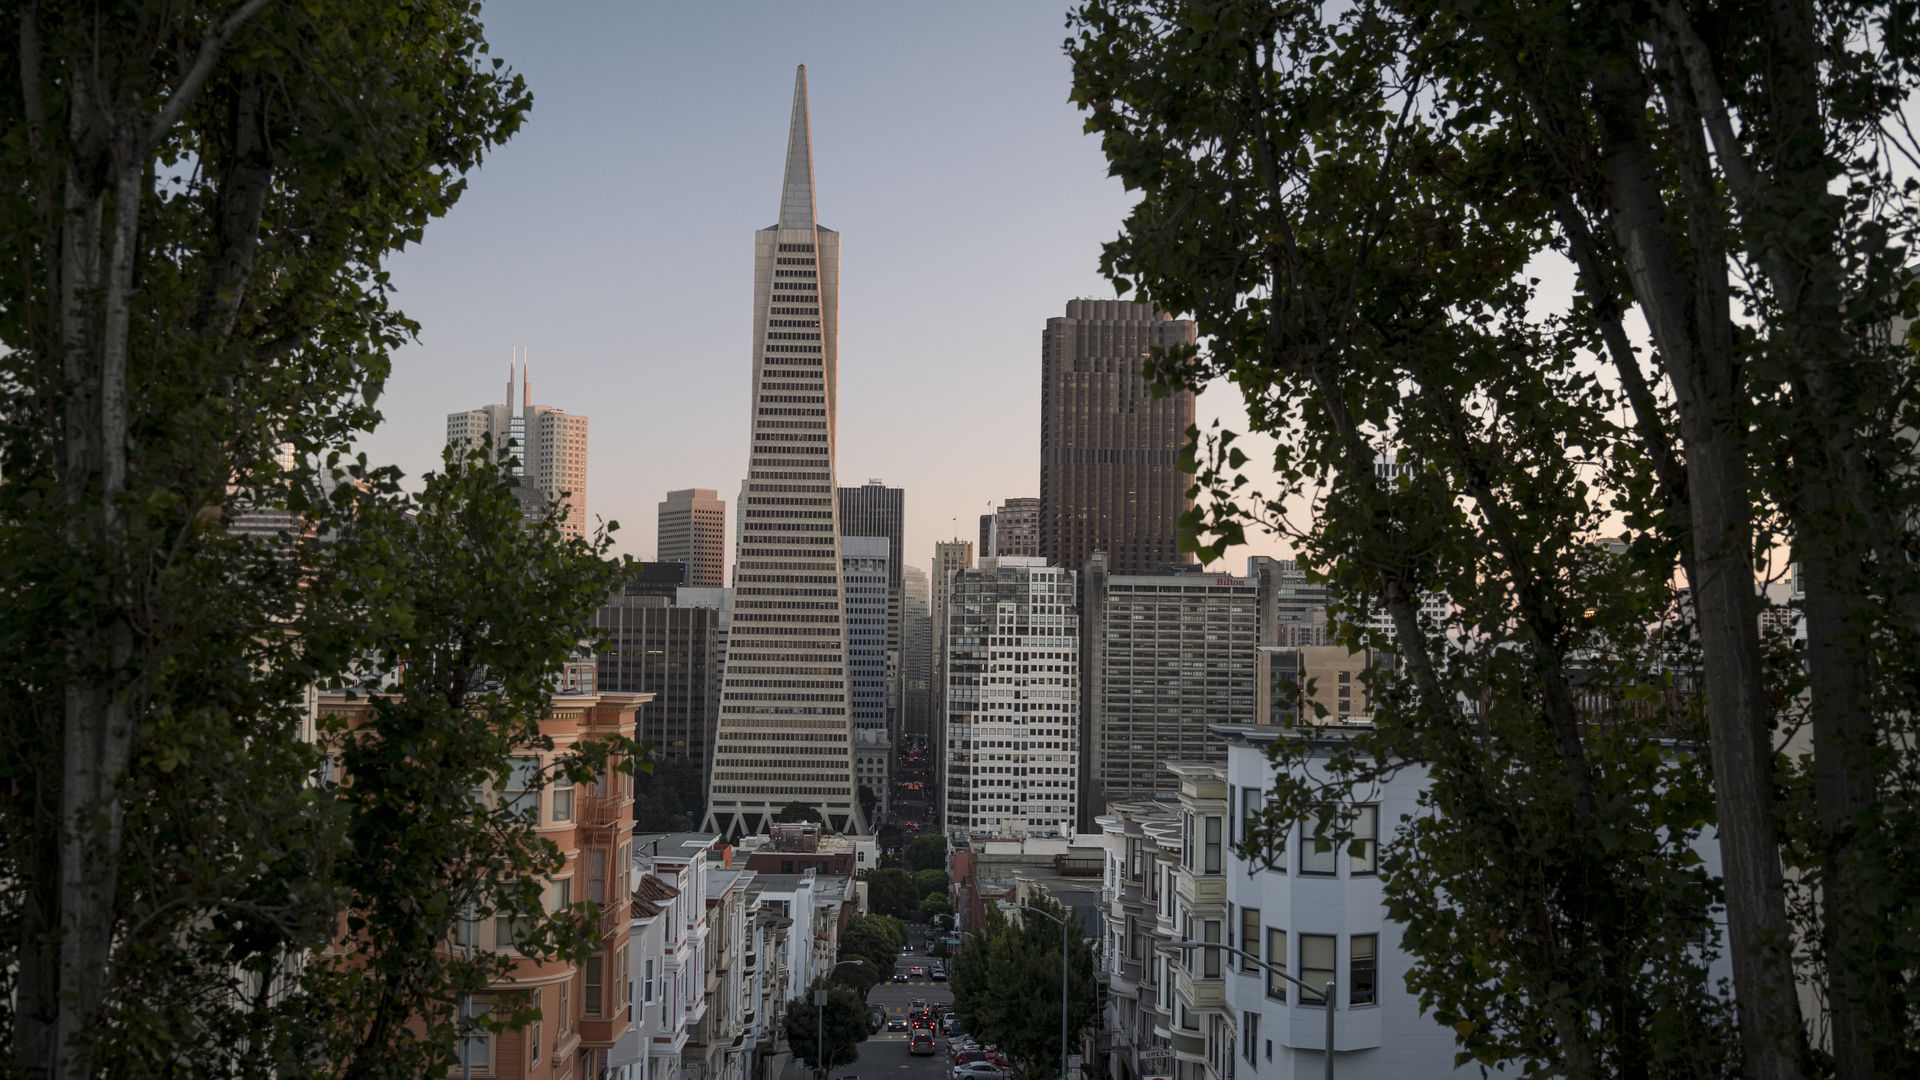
{"type": "Point", "coordinates": [1151, 1058]}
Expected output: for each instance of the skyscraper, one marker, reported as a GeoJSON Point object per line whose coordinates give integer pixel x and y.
{"type": "Point", "coordinates": [1012, 529]}
{"type": "Point", "coordinates": [693, 530]}
{"type": "Point", "coordinates": [550, 446]}
{"type": "Point", "coordinates": [672, 651]}
{"type": "Point", "coordinates": [1110, 476]}
{"type": "Point", "coordinates": [916, 655]}
{"type": "Point", "coordinates": [1163, 658]}
{"type": "Point", "coordinates": [874, 509]}
{"type": "Point", "coordinates": [863, 560]}
{"type": "Point", "coordinates": [1013, 701]}
{"type": "Point", "coordinates": [785, 730]}
{"type": "Point", "coordinates": [949, 557]}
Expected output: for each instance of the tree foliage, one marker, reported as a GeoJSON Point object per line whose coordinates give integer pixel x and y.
{"type": "Point", "coordinates": [930, 882]}
{"type": "Point", "coordinates": [795, 812]}
{"type": "Point", "coordinates": [195, 324]}
{"type": "Point", "coordinates": [845, 1022]}
{"type": "Point", "coordinates": [927, 852]}
{"type": "Point", "coordinates": [670, 797]}
{"type": "Point", "coordinates": [1006, 987]}
{"type": "Point", "coordinates": [875, 940]}
{"type": "Point", "coordinates": [890, 891]}
{"type": "Point", "coordinates": [1356, 205]}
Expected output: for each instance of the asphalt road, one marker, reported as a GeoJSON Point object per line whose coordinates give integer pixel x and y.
{"type": "Point", "coordinates": [884, 1055]}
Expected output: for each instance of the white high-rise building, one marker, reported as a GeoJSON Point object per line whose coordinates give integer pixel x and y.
{"type": "Point", "coordinates": [1013, 700]}
{"type": "Point", "coordinates": [550, 446]}
{"type": "Point", "coordinates": [785, 729]}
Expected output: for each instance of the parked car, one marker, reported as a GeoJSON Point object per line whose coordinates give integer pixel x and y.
{"type": "Point", "coordinates": [979, 1070]}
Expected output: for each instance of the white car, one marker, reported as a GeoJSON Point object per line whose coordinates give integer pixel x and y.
{"type": "Point", "coordinates": [979, 1070]}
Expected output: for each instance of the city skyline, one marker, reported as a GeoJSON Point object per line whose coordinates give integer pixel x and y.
{"type": "Point", "coordinates": [652, 346]}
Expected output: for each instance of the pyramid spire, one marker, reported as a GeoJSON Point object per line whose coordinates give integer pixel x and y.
{"type": "Point", "coordinates": [796, 195]}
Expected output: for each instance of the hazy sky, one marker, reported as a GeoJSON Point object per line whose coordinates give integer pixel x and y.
{"type": "Point", "coordinates": [613, 236]}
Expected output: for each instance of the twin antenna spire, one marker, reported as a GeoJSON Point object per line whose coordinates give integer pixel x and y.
{"type": "Point", "coordinates": [796, 194]}
{"type": "Point", "coordinates": [526, 384]}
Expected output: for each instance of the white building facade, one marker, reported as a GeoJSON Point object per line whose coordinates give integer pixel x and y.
{"type": "Point", "coordinates": [1013, 701]}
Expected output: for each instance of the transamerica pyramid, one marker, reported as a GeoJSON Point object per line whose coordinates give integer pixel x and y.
{"type": "Point", "coordinates": [785, 730]}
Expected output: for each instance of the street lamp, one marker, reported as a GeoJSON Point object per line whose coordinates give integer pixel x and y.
{"type": "Point", "coordinates": [820, 994]}
{"type": "Point", "coordinates": [1246, 957]}
{"type": "Point", "coordinates": [1063, 983]}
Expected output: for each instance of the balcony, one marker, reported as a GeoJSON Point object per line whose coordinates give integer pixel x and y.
{"type": "Point", "coordinates": [603, 811]}
{"type": "Point", "coordinates": [613, 917]}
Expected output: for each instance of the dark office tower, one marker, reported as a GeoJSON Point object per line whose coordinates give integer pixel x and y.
{"type": "Point", "coordinates": [1110, 476]}
{"type": "Point", "coordinates": [659, 647]}
{"type": "Point", "coordinates": [693, 530]}
{"type": "Point", "coordinates": [874, 509]}
{"type": "Point", "coordinates": [785, 730]}
{"type": "Point", "coordinates": [916, 656]}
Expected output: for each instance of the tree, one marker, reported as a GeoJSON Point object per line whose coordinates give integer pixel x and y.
{"type": "Point", "coordinates": [890, 891]}
{"type": "Point", "coordinates": [933, 905]}
{"type": "Point", "coordinates": [203, 199]}
{"type": "Point", "coordinates": [1006, 987]}
{"type": "Point", "coordinates": [1310, 185]}
{"type": "Point", "coordinates": [846, 1027]}
{"type": "Point", "coordinates": [931, 882]}
{"type": "Point", "coordinates": [798, 812]}
{"type": "Point", "coordinates": [875, 940]}
{"type": "Point", "coordinates": [418, 851]}
{"type": "Point", "coordinates": [671, 797]}
{"type": "Point", "coordinates": [927, 852]}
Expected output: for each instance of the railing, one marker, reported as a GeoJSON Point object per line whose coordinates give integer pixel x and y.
{"type": "Point", "coordinates": [602, 811]}
{"type": "Point", "coordinates": [613, 917]}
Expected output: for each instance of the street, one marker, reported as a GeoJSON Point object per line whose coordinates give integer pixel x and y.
{"type": "Point", "coordinates": [884, 1055]}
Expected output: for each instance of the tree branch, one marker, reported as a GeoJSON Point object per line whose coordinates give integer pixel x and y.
{"type": "Point", "coordinates": [202, 69]}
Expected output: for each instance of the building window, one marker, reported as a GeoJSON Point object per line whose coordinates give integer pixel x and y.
{"type": "Point", "coordinates": [591, 986]}
{"type": "Point", "coordinates": [1250, 1037]}
{"type": "Point", "coordinates": [647, 986]}
{"type": "Point", "coordinates": [562, 895]}
{"type": "Point", "coordinates": [563, 798]}
{"type": "Point", "coordinates": [476, 1042]}
{"type": "Point", "coordinates": [1250, 808]}
{"type": "Point", "coordinates": [1213, 845]}
{"type": "Point", "coordinates": [522, 790]}
{"type": "Point", "coordinates": [1316, 966]}
{"type": "Point", "coordinates": [1250, 939]}
{"type": "Point", "coordinates": [1363, 852]}
{"type": "Point", "coordinates": [566, 1012]}
{"type": "Point", "coordinates": [1316, 855]}
{"type": "Point", "coordinates": [533, 1037]}
{"type": "Point", "coordinates": [1362, 968]}
{"type": "Point", "coordinates": [509, 932]}
{"type": "Point", "coordinates": [1276, 964]}
{"type": "Point", "coordinates": [1210, 963]}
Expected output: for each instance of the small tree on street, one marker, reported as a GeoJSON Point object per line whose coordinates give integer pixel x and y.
{"type": "Point", "coordinates": [1006, 987]}
{"type": "Point", "coordinates": [928, 852]}
{"type": "Point", "coordinates": [845, 1022]}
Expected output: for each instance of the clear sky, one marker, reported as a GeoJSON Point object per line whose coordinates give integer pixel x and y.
{"type": "Point", "coordinates": [613, 237]}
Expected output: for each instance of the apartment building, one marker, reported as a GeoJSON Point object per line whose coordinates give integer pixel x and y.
{"type": "Point", "coordinates": [1141, 842]}
{"type": "Point", "coordinates": [577, 1024]}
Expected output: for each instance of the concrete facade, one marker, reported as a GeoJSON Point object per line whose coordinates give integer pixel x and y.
{"type": "Point", "coordinates": [785, 730]}
{"type": "Point", "coordinates": [693, 529]}
{"type": "Point", "coordinates": [1013, 701]}
{"type": "Point", "coordinates": [549, 445]}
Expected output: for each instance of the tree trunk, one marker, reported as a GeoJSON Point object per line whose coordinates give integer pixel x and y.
{"type": "Point", "coordinates": [1694, 339]}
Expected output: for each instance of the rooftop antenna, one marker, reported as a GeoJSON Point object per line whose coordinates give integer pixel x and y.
{"type": "Point", "coordinates": [526, 383]}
